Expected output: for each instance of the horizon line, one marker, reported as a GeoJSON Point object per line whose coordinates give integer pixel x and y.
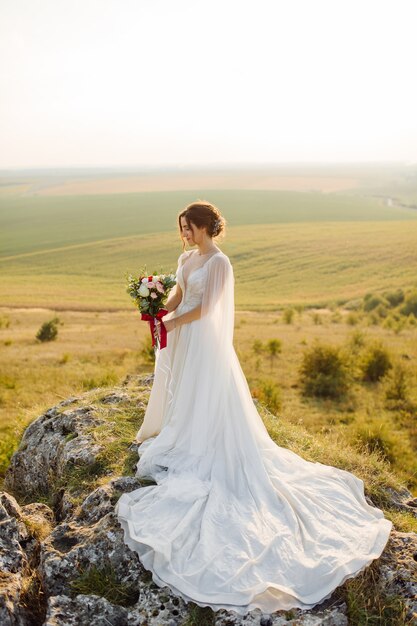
{"type": "Point", "coordinates": [199, 166]}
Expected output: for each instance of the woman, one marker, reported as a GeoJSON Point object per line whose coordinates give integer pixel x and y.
{"type": "Point", "coordinates": [234, 521]}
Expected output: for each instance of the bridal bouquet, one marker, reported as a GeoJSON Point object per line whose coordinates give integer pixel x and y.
{"type": "Point", "coordinates": [150, 294]}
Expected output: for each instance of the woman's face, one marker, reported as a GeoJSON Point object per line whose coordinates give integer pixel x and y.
{"type": "Point", "coordinates": [191, 233]}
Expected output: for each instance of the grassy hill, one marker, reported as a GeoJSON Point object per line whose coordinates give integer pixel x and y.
{"type": "Point", "coordinates": [309, 248]}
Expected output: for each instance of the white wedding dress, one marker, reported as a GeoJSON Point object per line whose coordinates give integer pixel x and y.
{"type": "Point", "coordinates": [235, 521]}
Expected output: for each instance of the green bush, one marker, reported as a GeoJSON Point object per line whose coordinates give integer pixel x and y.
{"type": "Point", "coordinates": [381, 310]}
{"type": "Point", "coordinates": [394, 297]}
{"type": "Point", "coordinates": [324, 372]}
{"type": "Point", "coordinates": [357, 340]}
{"type": "Point", "coordinates": [375, 362]}
{"type": "Point", "coordinates": [372, 301]}
{"type": "Point", "coordinates": [258, 346]}
{"type": "Point", "coordinates": [336, 317]}
{"type": "Point", "coordinates": [410, 304]}
{"type": "Point", "coordinates": [376, 438]}
{"type": "Point", "coordinates": [269, 393]}
{"type": "Point", "coordinates": [412, 320]}
{"type": "Point", "coordinates": [273, 347]}
{"type": "Point", "coordinates": [147, 351]}
{"type": "Point", "coordinates": [48, 331]}
{"type": "Point", "coordinates": [397, 387]}
{"type": "Point", "coordinates": [352, 318]}
{"type": "Point", "coordinates": [4, 321]}
{"type": "Point", "coordinates": [316, 317]}
{"type": "Point", "coordinates": [288, 316]}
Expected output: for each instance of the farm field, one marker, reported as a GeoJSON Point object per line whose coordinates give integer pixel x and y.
{"type": "Point", "coordinates": [311, 247]}
{"type": "Point", "coordinates": [314, 264]}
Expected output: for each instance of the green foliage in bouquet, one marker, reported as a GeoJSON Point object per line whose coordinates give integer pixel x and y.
{"type": "Point", "coordinates": [150, 292]}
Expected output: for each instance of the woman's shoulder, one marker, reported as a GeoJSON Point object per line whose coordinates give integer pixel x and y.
{"type": "Point", "coordinates": [183, 256]}
{"type": "Point", "coordinates": [221, 258]}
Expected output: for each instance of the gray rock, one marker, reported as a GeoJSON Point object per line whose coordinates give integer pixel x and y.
{"type": "Point", "coordinates": [84, 610]}
{"type": "Point", "coordinates": [402, 500]}
{"type": "Point", "coordinates": [50, 443]}
{"type": "Point", "coordinates": [13, 560]}
{"type": "Point", "coordinates": [102, 500]}
{"type": "Point", "coordinates": [399, 570]}
{"type": "Point", "coordinates": [335, 616]}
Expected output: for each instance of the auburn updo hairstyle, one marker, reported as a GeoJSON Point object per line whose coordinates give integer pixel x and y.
{"type": "Point", "coordinates": [203, 214]}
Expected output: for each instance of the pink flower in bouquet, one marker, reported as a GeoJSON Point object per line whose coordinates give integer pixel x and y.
{"type": "Point", "coordinates": [154, 295]}
{"type": "Point", "coordinates": [150, 284]}
{"type": "Point", "coordinates": [159, 287]}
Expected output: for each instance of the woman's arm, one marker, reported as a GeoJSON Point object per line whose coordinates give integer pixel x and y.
{"type": "Point", "coordinates": [174, 299]}
{"type": "Point", "coordinates": [185, 318]}
{"type": "Point", "coordinates": [188, 317]}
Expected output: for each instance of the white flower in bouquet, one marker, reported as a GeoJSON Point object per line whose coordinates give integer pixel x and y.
{"type": "Point", "coordinates": [143, 291]}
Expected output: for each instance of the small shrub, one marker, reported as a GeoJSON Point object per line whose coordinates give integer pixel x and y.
{"type": "Point", "coordinates": [357, 340]}
{"type": "Point", "coordinates": [317, 320]}
{"type": "Point", "coordinates": [353, 305]}
{"type": "Point", "coordinates": [258, 346]}
{"type": "Point", "coordinates": [269, 393]}
{"type": "Point", "coordinates": [4, 321]}
{"type": "Point", "coordinates": [381, 310]}
{"type": "Point", "coordinates": [324, 372]}
{"type": "Point", "coordinates": [288, 316]}
{"type": "Point", "coordinates": [352, 318]}
{"type": "Point", "coordinates": [273, 347]}
{"type": "Point", "coordinates": [412, 320]}
{"type": "Point", "coordinates": [336, 317]}
{"type": "Point", "coordinates": [375, 362]}
{"type": "Point", "coordinates": [397, 387]}
{"type": "Point", "coordinates": [147, 351]}
{"type": "Point", "coordinates": [376, 439]}
{"type": "Point", "coordinates": [373, 319]}
{"type": "Point", "coordinates": [410, 304]}
{"type": "Point", "coordinates": [371, 302]}
{"type": "Point", "coordinates": [394, 297]}
{"type": "Point", "coordinates": [48, 331]}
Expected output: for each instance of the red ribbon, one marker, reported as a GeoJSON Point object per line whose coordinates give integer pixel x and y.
{"type": "Point", "coordinates": [152, 322]}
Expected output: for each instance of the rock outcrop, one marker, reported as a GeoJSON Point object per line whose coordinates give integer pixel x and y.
{"type": "Point", "coordinates": [62, 555]}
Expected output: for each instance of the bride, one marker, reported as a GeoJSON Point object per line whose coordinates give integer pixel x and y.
{"type": "Point", "coordinates": [234, 521]}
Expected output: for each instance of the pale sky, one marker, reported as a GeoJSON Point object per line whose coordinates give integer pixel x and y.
{"type": "Point", "coordinates": [177, 82]}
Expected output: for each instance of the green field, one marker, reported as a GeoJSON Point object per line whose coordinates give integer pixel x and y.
{"type": "Point", "coordinates": [287, 247]}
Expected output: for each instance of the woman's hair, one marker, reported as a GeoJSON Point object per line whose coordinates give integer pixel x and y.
{"type": "Point", "coordinates": [202, 213]}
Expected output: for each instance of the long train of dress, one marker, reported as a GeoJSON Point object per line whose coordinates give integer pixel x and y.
{"type": "Point", "coordinates": [235, 521]}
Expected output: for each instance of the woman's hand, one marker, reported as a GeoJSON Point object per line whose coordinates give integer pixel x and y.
{"type": "Point", "coordinates": [169, 325]}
